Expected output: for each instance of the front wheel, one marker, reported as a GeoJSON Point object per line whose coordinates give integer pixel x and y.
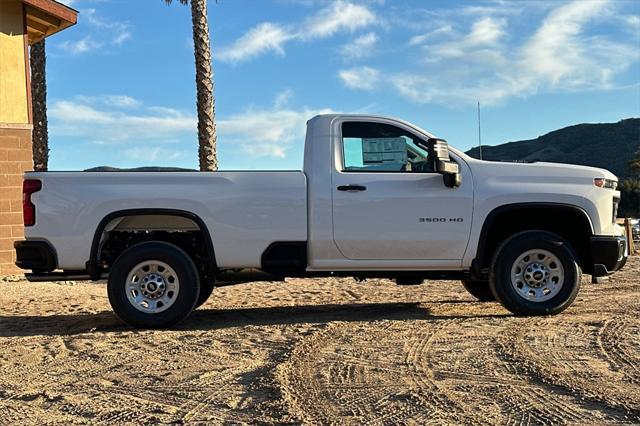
{"type": "Point", "coordinates": [153, 284]}
{"type": "Point", "coordinates": [535, 273]}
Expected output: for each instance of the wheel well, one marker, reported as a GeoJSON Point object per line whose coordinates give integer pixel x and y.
{"type": "Point", "coordinates": [569, 222]}
{"type": "Point", "coordinates": [121, 230]}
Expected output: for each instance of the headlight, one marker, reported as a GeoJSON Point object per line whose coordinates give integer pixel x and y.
{"type": "Point", "coordinates": [605, 183]}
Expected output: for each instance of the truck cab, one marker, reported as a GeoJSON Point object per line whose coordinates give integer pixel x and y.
{"type": "Point", "coordinates": [382, 199]}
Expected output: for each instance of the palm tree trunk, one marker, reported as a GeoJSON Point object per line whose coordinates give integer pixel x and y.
{"type": "Point", "coordinates": [40, 134]}
{"type": "Point", "coordinates": [207, 137]}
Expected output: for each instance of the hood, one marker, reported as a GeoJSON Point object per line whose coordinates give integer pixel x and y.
{"type": "Point", "coordinates": [539, 171]}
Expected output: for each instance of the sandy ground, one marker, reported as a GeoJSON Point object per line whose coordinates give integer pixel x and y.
{"type": "Point", "coordinates": [322, 351]}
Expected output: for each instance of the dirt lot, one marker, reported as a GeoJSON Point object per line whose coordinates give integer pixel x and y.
{"type": "Point", "coordinates": [322, 351]}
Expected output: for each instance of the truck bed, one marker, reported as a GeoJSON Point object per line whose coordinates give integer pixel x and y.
{"type": "Point", "coordinates": [244, 211]}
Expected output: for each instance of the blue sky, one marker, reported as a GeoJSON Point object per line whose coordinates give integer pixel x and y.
{"type": "Point", "coordinates": [121, 86]}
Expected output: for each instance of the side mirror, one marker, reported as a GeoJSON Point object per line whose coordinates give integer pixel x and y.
{"type": "Point", "coordinates": [453, 179]}
{"type": "Point", "coordinates": [450, 171]}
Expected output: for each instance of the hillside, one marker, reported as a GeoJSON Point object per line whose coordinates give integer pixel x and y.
{"type": "Point", "coordinates": [606, 145]}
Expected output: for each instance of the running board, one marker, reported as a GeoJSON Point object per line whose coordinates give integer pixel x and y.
{"type": "Point", "coordinates": [59, 276]}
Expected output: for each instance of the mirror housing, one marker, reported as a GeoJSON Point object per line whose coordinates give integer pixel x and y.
{"type": "Point", "coordinates": [450, 171]}
{"type": "Point", "coordinates": [439, 148]}
{"type": "Point", "coordinates": [447, 167]}
{"type": "Point", "coordinates": [452, 180]}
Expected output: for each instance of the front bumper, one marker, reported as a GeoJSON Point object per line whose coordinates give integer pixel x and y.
{"type": "Point", "coordinates": [35, 255]}
{"type": "Point", "coordinates": [608, 254]}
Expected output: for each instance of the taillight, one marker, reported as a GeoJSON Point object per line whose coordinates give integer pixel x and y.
{"type": "Point", "coordinates": [29, 186]}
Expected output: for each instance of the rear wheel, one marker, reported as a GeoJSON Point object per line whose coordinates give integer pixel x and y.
{"type": "Point", "coordinates": [535, 273]}
{"type": "Point", "coordinates": [479, 289]}
{"type": "Point", "coordinates": [153, 284]}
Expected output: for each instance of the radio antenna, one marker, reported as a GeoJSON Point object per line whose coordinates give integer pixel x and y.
{"type": "Point", "coordinates": [479, 134]}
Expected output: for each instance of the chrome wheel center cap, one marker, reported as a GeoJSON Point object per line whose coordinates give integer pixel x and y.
{"type": "Point", "coordinates": [153, 286]}
{"type": "Point", "coordinates": [536, 275]}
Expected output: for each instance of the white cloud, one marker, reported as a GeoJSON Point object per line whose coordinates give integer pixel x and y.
{"type": "Point", "coordinates": [83, 45]}
{"type": "Point", "coordinates": [633, 22]}
{"type": "Point", "coordinates": [557, 54]}
{"type": "Point", "coordinates": [485, 34]}
{"type": "Point", "coordinates": [123, 101]}
{"type": "Point", "coordinates": [121, 37]}
{"type": "Point", "coordinates": [263, 38]}
{"type": "Point", "coordinates": [267, 132]}
{"type": "Point", "coordinates": [72, 112]}
{"type": "Point", "coordinates": [101, 32]}
{"type": "Point", "coordinates": [120, 124]}
{"type": "Point", "coordinates": [421, 38]}
{"type": "Point", "coordinates": [268, 37]}
{"type": "Point", "coordinates": [360, 47]}
{"type": "Point", "coordinates": [486, 31]}
{"type": "Point", "coordinates": [107, 120]}
{"type": "Point", "coordinates": [360, 78]}
{"type": "Point", "coordinates": [116, 32]}
{"type": "Point", "coordinates": [567, 51]}
{"type": "Point", "coordinates": [119, 101]}
{"type": "Point", "coordinates": [283, 98]}
{"type": "Point", "coordinates": [340, 16]}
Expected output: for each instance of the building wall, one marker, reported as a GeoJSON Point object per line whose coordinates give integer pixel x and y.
{"type": "Point", "coordinates": [15, 159]}
{"type": "Point", "coordinates": [15, 132]}
{"type": "Point", "coordinates": [13, 74]}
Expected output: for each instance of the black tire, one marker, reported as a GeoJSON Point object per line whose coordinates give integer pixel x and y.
{"type": "Point", "coordinates": [500, 279]}
{"type": "Point", "coordinates": [186, 273]}
{"type": "Point", "coordinates": [206, 288]}
{"type": "Point", "coordinates": [479, 289]}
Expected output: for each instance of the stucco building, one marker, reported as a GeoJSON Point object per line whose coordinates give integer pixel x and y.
{"type": "Point", "coordinates": [22, 23]}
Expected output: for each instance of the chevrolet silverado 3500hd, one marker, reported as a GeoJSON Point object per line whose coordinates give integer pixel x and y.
{"type": "Point", "coordinates": [378, 197]}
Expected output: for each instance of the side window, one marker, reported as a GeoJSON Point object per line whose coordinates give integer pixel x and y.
{"type": "Point", "coordinates": [378, 147]}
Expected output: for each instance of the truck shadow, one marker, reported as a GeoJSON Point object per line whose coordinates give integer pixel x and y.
{"type": "Point", "coordinates": [213, 319]}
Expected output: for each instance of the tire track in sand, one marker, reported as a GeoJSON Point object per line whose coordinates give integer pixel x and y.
{"type": "Point", "coordinates": [591, 359]}
{"type": "Point", "coordinates": [449, 370]}
{"type": "Point", "coordinates": [619, 341]}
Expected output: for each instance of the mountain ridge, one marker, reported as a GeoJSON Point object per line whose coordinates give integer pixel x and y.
{"type": "Point", "coordinates": [606, 145]}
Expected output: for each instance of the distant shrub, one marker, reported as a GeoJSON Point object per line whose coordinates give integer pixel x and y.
{"type": "Point", "coordinates": [630, 202]}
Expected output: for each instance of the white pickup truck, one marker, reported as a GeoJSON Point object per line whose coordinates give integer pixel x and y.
{"type": "Point", "coordinates": [378, 197]}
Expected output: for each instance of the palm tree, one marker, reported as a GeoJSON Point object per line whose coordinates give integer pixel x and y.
{"type": "Point", "coordinates": [40, 135]}
{"type": "Point", "coordinates": [207, 137]}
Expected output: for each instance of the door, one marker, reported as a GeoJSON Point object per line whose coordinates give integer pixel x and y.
{"type": "Point", "coordinates": [389, 204]}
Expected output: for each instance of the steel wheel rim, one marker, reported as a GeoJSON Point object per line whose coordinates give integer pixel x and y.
{"type": "Point", "coordinates": [537, 275]}
{"type": "Point", "coordinates": [152, 286]}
